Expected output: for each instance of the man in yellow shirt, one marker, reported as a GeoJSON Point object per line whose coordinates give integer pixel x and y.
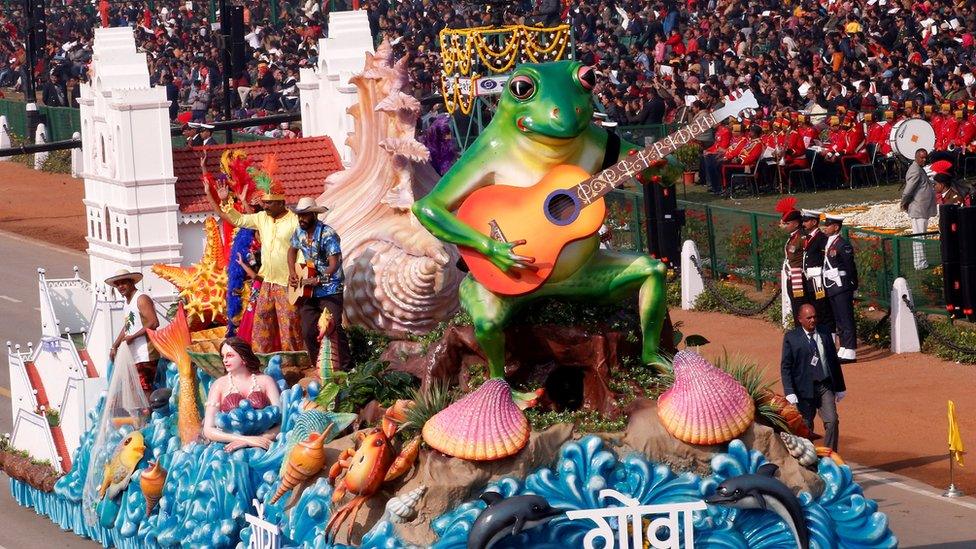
{"type": "Point", "coordinates": [276, 326]}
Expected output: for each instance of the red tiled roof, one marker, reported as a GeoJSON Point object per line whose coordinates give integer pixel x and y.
{"type": "Point", "coordinates": [303, 165]}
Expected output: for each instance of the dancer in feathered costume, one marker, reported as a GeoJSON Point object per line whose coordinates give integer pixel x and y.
{"type": "Point", "coordinates": [241, 246]}
{"type": "Point", "coordinates": [238, 290]}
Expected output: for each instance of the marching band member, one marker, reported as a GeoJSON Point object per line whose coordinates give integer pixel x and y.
{"type": "Point", "coordinates": [965, 129]}
{"type": "Point", "coordinates": [794, 150]}
{"type": "Point", "coordinates": [854, 146]}
{"type": "Point", "coordinates": [945, 126]}
{"type": "Point", "coordinates": [968, 131]}
{"type": "Point", "coordinates": [811, 136]}
{"type": "Point", "coordinates": [879, 131]}
{"type": "Point", "coordinates": [746, 158]}
{"type": "Point", "coordinates": [834, 148]}
{"type": "Point", "coordinates": [712, 157]}
{"type": "Point", "coordinates": [840, 282]}
{"type": "Point", "coordinates": [836, 140]}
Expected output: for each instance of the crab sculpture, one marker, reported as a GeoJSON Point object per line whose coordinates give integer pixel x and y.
{"type": "Point", "coordinates": [363, 469]}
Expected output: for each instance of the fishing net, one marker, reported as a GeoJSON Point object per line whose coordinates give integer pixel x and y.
{"type": "Point", "coordinates": [125, 410]}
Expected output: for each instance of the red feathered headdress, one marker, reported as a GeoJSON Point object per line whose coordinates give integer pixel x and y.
{"type": "Point", "coordinates": [942, 167]}
{"type": "Point", "coordinates": [787, 208]}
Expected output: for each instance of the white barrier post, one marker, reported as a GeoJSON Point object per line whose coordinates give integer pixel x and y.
{"type": "Point", "coordinates": [76, 159]}
{"type": "Point", "coordinates": [786, 308]}
{"type": "Point", "coordinates": [40, 137]}
{"type": "Point", "coordinates": [904, 332]}
{"type": "Point", "coordinates": [4, 137]}
{"type": "Point", "coordinates": [692, 284]}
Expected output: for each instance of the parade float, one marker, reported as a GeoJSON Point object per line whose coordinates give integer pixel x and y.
{"type": "Point", "coordinates": [555, 408]}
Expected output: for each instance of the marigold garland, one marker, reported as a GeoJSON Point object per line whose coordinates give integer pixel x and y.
{"type": "Point", "coordinates": [461, 47]}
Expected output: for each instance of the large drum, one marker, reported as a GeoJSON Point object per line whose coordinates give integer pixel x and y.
{"type": "Point", "coordinates": [911, 135]}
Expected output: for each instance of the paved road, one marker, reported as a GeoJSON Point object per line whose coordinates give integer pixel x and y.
{"type": "Point", "coordinates": [917, 514]}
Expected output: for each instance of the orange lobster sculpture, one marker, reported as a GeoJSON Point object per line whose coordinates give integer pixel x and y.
{"type": "Point", "coordinates": [363, 469]}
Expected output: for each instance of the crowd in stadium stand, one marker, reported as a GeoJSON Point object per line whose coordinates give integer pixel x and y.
{"type": "Point", "coordinates": [657, 60]}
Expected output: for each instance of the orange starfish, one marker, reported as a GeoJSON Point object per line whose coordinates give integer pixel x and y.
{"type": "Point", "coordinates": [202, 286]}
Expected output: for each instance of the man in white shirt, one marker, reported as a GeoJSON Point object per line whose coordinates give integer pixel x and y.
{"type": "Point", "coordinates": [140, 315]}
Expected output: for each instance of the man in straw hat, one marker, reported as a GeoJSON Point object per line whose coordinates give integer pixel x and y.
{"type": "Point", "coordinates": [139, 315]}
{"type": "Point", "coordinates": [275, 324]}
{"type": "Point", "coordinates": [319, 245]}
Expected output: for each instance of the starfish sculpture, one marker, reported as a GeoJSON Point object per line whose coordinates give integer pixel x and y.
{"type": "Point", "coordinates": [202, 286]}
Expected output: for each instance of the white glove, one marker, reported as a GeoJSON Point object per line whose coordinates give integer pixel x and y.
{"type": "Point", "coordinates": [840, 396]}
{"type": "Point", "coordinates": [792, 399]}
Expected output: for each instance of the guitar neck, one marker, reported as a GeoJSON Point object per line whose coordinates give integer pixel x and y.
{"type": "Point", "coordinates": [589, 190]}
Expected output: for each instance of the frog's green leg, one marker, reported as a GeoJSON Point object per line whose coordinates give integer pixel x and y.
{"type": "Point", "coordinates": [489, 313]}
{"type": "Point", "coordinates": [605, 277]}
{"type": "Point", "coordinates": [611, 277]}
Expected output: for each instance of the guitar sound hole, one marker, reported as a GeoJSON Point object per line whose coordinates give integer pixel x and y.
{"type": "Point", "coordinates": [561, 207]}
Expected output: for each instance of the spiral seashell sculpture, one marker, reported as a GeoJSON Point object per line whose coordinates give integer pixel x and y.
{"type": "Point", "coordinates": [484, 425]}
{"type": "Point", "coordinates": [306, 459]}
{"type": "Point", "coordinates": [403, 508]}
{"type": "Point", "coordinates": [705, 405]}
{"type": "Point", "coordinates": [399, 277]}
{"type": "Point", "coordinates": [151, 482]}
{"type": "Point", "coordinates": [801, 449]}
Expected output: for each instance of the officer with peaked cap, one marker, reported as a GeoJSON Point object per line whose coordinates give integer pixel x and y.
{"type": "Point", "coordinates": [840, 282]}
{"type": "Point", "coordinates": [813, 258]}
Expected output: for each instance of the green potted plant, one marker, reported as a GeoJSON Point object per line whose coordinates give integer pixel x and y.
{"type": "Point", "coordinates": [689, 156]}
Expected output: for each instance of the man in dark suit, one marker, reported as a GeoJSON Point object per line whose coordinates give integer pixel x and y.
{"type": "Point", "coordinates": [840, 282]}
{"type": "Point", "coordinates": [811, 374]}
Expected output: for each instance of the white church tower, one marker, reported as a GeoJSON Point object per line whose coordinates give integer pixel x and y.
{"type": "Point", "coordinates": [127, 164]}
{"type": "Point", "coordinates": [325, 92]}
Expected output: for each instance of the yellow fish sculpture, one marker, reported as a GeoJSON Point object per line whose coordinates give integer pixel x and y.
{"type": "Point", "coordinates": [118, 470]}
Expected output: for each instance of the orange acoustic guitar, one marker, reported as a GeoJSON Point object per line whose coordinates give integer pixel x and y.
{"type": "Point", "coordinates": [564, 206]}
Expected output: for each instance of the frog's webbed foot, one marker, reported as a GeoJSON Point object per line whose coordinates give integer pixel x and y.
{"type": "Point", "coordinates": [528, 399]}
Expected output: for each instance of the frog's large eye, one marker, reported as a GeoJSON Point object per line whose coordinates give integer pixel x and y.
{"type": "Point", "coordinates": [586, 77]}
{"type": "Point", "coordinates": [522, 87]}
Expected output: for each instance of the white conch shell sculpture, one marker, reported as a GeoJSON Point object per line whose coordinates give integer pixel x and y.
{"type": "Point", "coordinates": [399, 277]}
{"type": "Point", "coordinates": [800, 448]}
{"type": "Point", "coordinates": [404, 508]}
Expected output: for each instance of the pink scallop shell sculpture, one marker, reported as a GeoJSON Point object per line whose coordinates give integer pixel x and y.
{"type": "Point", "coordinates": [484, 425]}
{"type": "Point", "coordinates": [705, 405]}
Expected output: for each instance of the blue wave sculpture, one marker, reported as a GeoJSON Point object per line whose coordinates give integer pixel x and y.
{"type": "Point", "coordinates": [208, 490]}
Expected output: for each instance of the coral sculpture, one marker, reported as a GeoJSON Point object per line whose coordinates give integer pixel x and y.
{"type": "Point", "coordinates": [202, 286]}
{"type": "Point", "coordinates": [399, 278]}
{"type": "Point", "coordinates": [705, 405]}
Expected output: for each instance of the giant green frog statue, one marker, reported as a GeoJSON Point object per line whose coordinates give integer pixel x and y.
{"type": "Point", "coordinates": [543, 120]}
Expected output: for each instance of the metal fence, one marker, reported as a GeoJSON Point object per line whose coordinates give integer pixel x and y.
{"type": "Point", "coordinates": [63, 122]}
{"type": "Point", "coordinates": [749, 247]}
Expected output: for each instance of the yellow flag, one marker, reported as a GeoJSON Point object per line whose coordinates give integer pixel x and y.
{"type": "Point", "coordinates": [956, 448]}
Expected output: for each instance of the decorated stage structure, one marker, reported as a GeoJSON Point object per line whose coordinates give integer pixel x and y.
{"type": "Point", "coordinates": [592, 426]}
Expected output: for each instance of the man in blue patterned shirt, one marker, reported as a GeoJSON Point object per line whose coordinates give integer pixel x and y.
{"type": "Point", "coordinates": [319, 244]}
